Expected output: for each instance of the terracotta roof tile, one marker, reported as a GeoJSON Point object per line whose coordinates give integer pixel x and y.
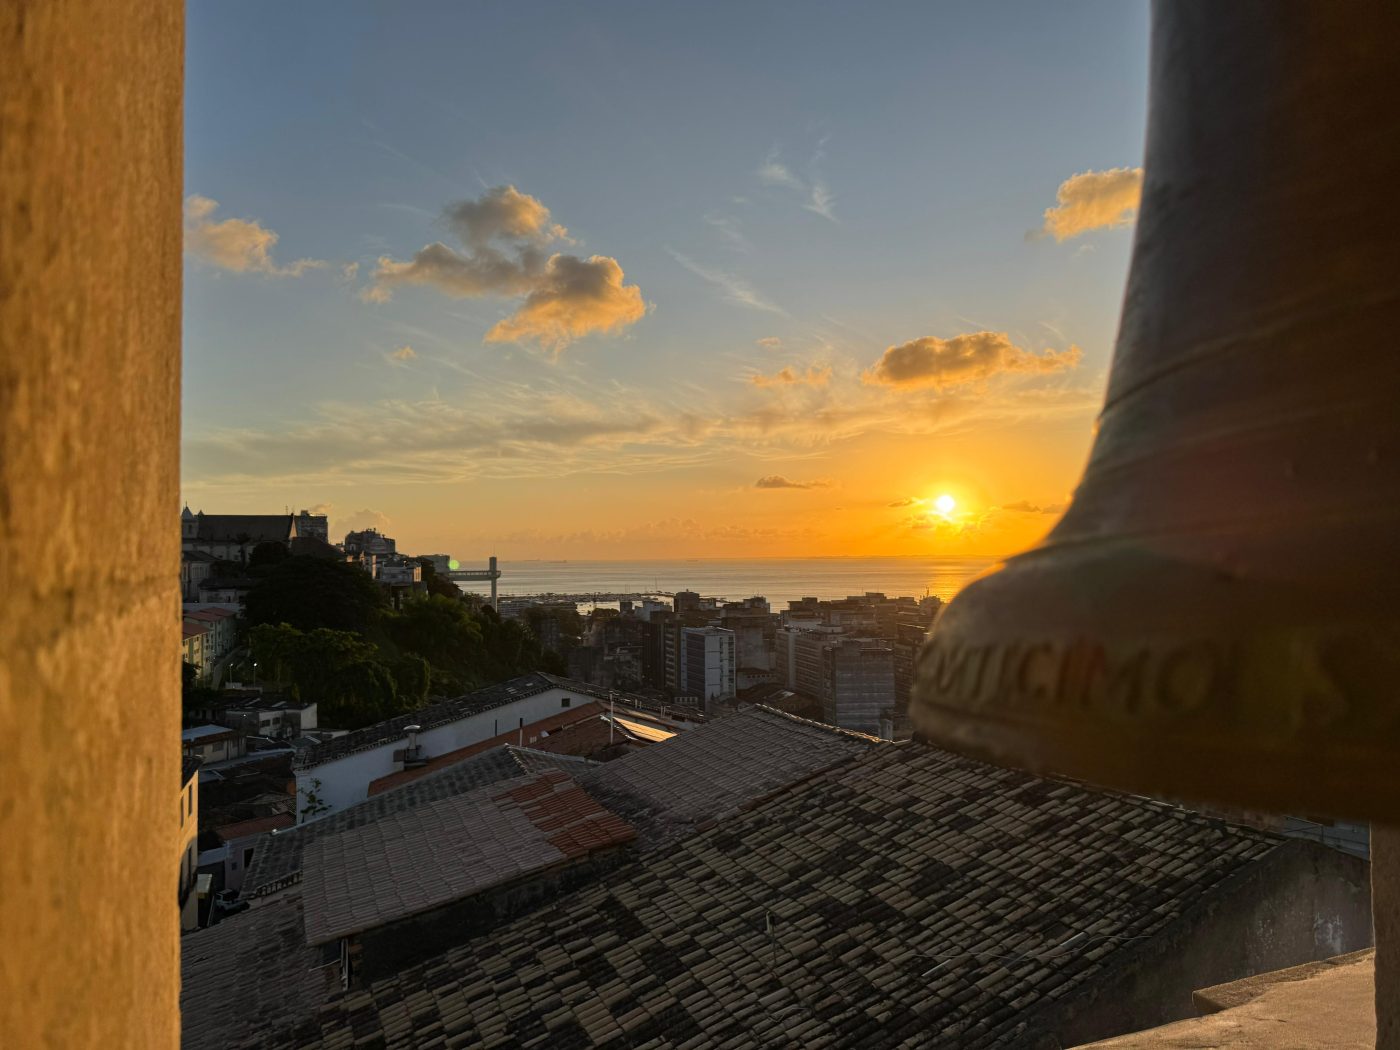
{"type": "Point", "coordinates": [726, 765]}
{"type": "Point", "coordinates": [435, 853]}
{"type": "Point", "coordinates": [914, 897]}
{"type": "Point", "coordinates": [278, 862]}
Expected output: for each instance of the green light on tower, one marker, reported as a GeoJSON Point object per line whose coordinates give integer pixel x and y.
{"type": "Point", "coordinates": [452, 564]}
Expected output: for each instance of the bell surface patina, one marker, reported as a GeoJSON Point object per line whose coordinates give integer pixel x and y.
{"type": "Point", "coordinates": [1217, 616]}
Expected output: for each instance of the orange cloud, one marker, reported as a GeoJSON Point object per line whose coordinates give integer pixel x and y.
{"type": "Point", "coordinates": [505, 237]}
{"type": "Point", "coordinates": [777, 481]}
{"type": "Point", "coordinates": [1094, 200]}
{"type": "Point", "coordinates": [972, 358]}
{"type": "Point", "coordinates": [574, 298]}
{"type": "Point", "coordinates": [239, 245]}
{"type": "Point", "coordinates": [814, 376]}
{"type": "Point", "coordinates": [1026, 507]}
{"type": "Point", "coordinates": [404, 353]}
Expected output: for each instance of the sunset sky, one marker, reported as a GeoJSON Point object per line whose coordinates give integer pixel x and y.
{"type": "Point", "coordinates": [656, 280]}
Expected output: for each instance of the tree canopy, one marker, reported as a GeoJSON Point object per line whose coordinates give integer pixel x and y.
{"type": "Point", "coordinates": [309, 592]}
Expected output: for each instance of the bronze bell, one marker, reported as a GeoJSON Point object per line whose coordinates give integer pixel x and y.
{"type": "Point", "coordinates": [1217, 616]}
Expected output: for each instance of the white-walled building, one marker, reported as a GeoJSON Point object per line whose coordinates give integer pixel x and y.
{"type": "Point", "coordinates": [337, 773]}
{"type": "Point", "coordinates": [220, 621]}
{"type": "Point", "coordinates": [707, 664]}
{"type": "Point", "coordinates": [210, 743]}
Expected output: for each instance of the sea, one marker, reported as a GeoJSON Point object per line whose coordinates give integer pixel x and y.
{"type": "Point", "coordinates": [780, 580]}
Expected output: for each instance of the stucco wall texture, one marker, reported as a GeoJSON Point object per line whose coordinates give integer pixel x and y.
{"type": "Point", "coordinates": [90, 228]}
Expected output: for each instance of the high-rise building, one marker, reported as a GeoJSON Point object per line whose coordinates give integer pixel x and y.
{"type": "Point", "coordinates": [369, 541]}
{"type": "Point", "coordinates": [858, 683]}
{"type": "Point", "coordinates": [707, 664]}
{"type": "Point", "coordinates": [313, 526]}
{"type": "Point", "coordinates": [687, 602]}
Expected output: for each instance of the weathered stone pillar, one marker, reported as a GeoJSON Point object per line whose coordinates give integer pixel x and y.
{"type": "Point", "coordinates": [90, 228]}
{"type": "Point", "coordinates": [1385, 910]}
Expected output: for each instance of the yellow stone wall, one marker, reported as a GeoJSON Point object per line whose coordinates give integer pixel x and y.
{"type": "Point", "coordinates": [90, 229]}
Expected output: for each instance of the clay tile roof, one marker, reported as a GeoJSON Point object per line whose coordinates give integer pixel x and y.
{"type": "Point", "coordinates": [911, 897]}
{"type": "Point", "coordinates": [555, 725]}
{"type": "Point", "coordinates": [193, 629]}
{"type": "Point", "coordinates": [278, 862]}
{"type": "Point", "coordinates": [423, 858]}
{"type": "Point", "coordinates": [249, 973]}
{"type": "Point", "coordinates": [710, 771]}
{"type": "Point", "coordinates": [251, 529]}
{"type": "Point", "coordinates": [255, 826]}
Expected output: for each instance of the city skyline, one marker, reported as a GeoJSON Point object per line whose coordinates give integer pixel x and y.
{"type": "Point", "coordinates": [580, 284]}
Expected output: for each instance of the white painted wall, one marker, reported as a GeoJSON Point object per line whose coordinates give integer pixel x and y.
{"type": "Point", "coordinates": [346, 780]}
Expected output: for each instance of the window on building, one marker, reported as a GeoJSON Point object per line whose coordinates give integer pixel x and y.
{"type": "Point", "coordinates": [566, 701]}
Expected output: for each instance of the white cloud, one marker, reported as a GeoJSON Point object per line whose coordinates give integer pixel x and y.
{"type": "Point", "coordinates": [735, 288]}
{"type": "Point", "coordinates": [238, 245]}
{"type": "Point", "coordinates": [816, 195]}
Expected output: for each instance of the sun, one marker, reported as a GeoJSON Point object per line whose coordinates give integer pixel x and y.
{"type": "Point", "coordinates": [945, 504]}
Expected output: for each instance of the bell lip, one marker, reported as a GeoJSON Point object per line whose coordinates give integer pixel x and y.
{"type": "Point", "coordinates": [1222, 777]}
{"type": "Point", "coordinates": [1261, 740]}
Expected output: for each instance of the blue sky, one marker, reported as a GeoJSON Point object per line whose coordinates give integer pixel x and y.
{"type": "Point", "coordinates": [836, 180]}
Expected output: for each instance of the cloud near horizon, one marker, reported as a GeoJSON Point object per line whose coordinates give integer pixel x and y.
{"type": "Point", "coordinates": [777, 481]}
{"type": "Point", "coordinates": [1093, 200]}
{"type": "Point", "coordinates": [1027, 507]}
{"type": "Point", "coordinates": [237, 245]}
{"type": "Point", "coordinates": [506, 237]}
{"type": "Point", "coordinates": [814, 376]}
{"type": "Point", "coordinates": [359, 521]}
{"type": "Point", "coordinates": [963, 359]}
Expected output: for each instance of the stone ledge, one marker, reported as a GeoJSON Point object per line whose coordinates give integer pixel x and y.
{"type": "Point", "coordinates": [1324, 1004]}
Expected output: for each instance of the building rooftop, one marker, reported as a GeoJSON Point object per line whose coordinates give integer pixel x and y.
{"type": "Point", "coordinates": [278, 862]}
{"type": "Point", "coordinates": [249, 973]}
{"type": "Point", "coordinates": [442, 712]}
{"type": "Point", "coordinates": [250, 529]}
{"type": "Point", "coordinates": [711, 771]}
{"type": "Point", "coordinates": [908, 897]}
{"type": "Point", "coordinates": [205, 732]}
{"type": "Point", "coordinates": [208, 613]}
{"type": "Point", "coordinates": [192, 630]}
{"type": "Point", "coordinates": [241, 829]}
{"type": "Point", "coordinates": [422, 858]}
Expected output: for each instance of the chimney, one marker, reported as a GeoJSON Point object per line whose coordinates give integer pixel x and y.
{"type": "Point", "coordinates": [413, 756]}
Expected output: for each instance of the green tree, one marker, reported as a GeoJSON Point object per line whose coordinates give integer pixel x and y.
{"type": "Point", "coordinates": [194, 695]}
{"type": "Point", "coordinates": [313, 804]}
{"type": "Point", "coordinates": [265, 556]}
{"type": "Point", "coordinates": [309, 592]}
{"type": "Point", "coordinates": [440, 630]}
{"type": "Point", "coordinates": [438, 585]}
